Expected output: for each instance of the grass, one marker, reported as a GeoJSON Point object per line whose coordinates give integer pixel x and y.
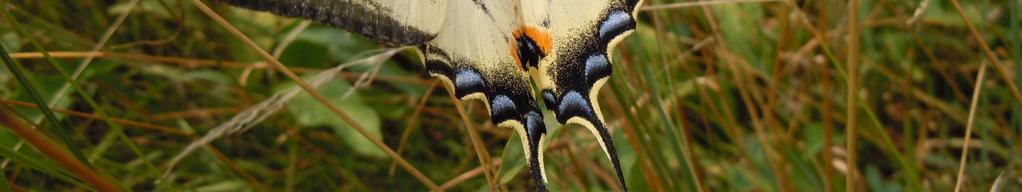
{"type": "Point", "coordinates": [706, 96]}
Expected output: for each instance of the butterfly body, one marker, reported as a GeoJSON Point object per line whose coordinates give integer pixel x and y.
{"type": "Point", "coordinates": [493, 50]}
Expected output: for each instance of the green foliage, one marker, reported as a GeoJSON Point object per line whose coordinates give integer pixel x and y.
{"type": "Point", "coordinates": [308, 113]}
{"type": "Point", "coordinates": [756, 110]}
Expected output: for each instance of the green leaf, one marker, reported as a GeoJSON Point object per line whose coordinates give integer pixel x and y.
{"type": "Point", "coordinates": [304, 53]}
{"type": "Point", "coordinates": [309, 112]}
{"type": "Point", "coordinates": [513, 159]}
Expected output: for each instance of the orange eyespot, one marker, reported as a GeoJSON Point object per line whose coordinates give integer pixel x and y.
{"type": "Point", "coordinates": [541, 38]}
{"type": "Point", "coordinates": [538, 39]}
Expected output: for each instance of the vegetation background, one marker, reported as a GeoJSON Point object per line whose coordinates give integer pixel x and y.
{"type": "Point", "coordinates": [725, 95]}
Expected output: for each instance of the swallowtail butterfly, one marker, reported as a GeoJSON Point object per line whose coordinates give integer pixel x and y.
{"type": "Point", "coordinates": [490, 49]}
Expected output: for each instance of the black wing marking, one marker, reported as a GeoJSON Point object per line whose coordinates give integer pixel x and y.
{"type": "Point", "coordinates": [473, 54]}
{"type": "Point", "coordinates": [508, 97]}
{"type": "Point", "coordinates": [581, 65]}
{"type": "Point", "coordinates": [381, 20]}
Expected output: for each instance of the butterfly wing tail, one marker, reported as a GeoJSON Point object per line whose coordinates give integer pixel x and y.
{"type": "Point", "coordinates": [599, 130]}
{"type": "Point", "coordinates": [535, 131]}
{"type": "Point", "coordinates": [608, 148]}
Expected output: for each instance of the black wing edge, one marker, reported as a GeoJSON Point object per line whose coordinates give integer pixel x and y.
{"type": "Point", "coordinates": [582, 71]}
{"type": "Point", "coordinates": [343, 14]}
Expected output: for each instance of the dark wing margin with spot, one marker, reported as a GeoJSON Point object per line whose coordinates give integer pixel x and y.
{"type": "Point", "coordinates": [581, 68]}
{"type": "Point", "coordinates": [393, 22]}
{"type": "Point", "coordinates": [472, 54]}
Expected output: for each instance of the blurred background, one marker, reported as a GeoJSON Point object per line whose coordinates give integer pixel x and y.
{"type": "Point", "coordinates": [731, 95]}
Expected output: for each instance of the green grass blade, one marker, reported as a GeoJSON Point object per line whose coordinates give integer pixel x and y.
{"type": "Point", "coordinates": [63, 131]}
{"type": "Point", "coordinates": [117, 131]}
{"type": "Point", "coordinates": [44, 166]}
{"type": "Point", "coordinates": [679, 141]}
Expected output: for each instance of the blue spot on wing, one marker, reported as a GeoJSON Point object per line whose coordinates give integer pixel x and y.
{"type": "Point", "coordinates": [549, 99]}
{"type": "Point", "coordinates": [502, 105]}
{"type": "Point", "coordinates": [534, 124]}
{"type": "Point", "coordinates": [597, 67]}
{"type": "Point", "coordinates": [467, 81]}
{"type": "Point", "coordinates": [573, 104]}
{"type": "Point", "coordinates": [617, 22]}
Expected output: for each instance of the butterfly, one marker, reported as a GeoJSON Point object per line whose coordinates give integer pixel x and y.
{"type": "Point", "coordinates": [489, 50]}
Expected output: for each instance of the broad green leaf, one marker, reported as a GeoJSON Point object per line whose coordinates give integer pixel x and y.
{"type": "Point", "coordinates": [310, 112]}
{"type": "Point", "coordinates": [513, 160]}
{"type": "Point", "coordinates": [305, 53]}
{"type": "Point", "coordinates": [341, 46]}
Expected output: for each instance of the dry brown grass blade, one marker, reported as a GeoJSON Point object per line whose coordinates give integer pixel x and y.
{"type": "Point", "coordinates": [162, 129]}
{"type": "Point", "coordinates": [680, 135]}
{"type": "Point", "coordinates": [255, 114]}
{"type": "Point", "coordinates": [998, 66]}
{"type": "Point", "coordinates": [185, 62]}
{"type": "Point", "coordinates": [632, 137]}
{"type": "Point", "coordinates": [852, 63]}
{"type": "Point", "coordinates": [480, 148]}
{"type": "Point", "coordinates": [409, 125]}
{"type": "Point", "coordinates": [969, 125]}
{"type": "Point", "coordinates": [739, 73]}
{"type": "Point", "coordinates": [55, 152]}
{"type": "Point", "coordinates": [194, 113]}
{"type": "Point", "coordinates": [699, 3]}
{"type": "Point", "coordinates": [466, 176]}
{"type": "Point", "coordinates": [59, 95]}
{"type": "Point", "coordinates": [281, 46]}
{"type": "Point", "coordinates": [129, 123]}
{"type": "Point", "coordinates": [996, 187]}
{"type": "Point", "coordinates": [192, 63]}
{"type": "Point", "coordinates": [102, 42]}
{"type": "Point", "coordinates": [826, 101]}
{"type": "Point", "coordinates": [919, 12]}
{"type": "Point", "coordinates": [315, 94]}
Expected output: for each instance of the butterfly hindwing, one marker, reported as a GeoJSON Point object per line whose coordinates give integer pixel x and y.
{"type": "Point", "coordinates": [575, 63]}
{"type": "Point", "coordinates": [471, 54]}
{"type": "Point", "coordinates": [487, 50]}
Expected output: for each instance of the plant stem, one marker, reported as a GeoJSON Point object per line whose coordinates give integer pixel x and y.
{"type": "Point", "coordinates": [969, 125]}
{"type": "Point", "coordinates": [55, 152]}
{"type": "Point", "coordinates": [852, 94]}
{"type": "Point", "coordinates": [315, 94]}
